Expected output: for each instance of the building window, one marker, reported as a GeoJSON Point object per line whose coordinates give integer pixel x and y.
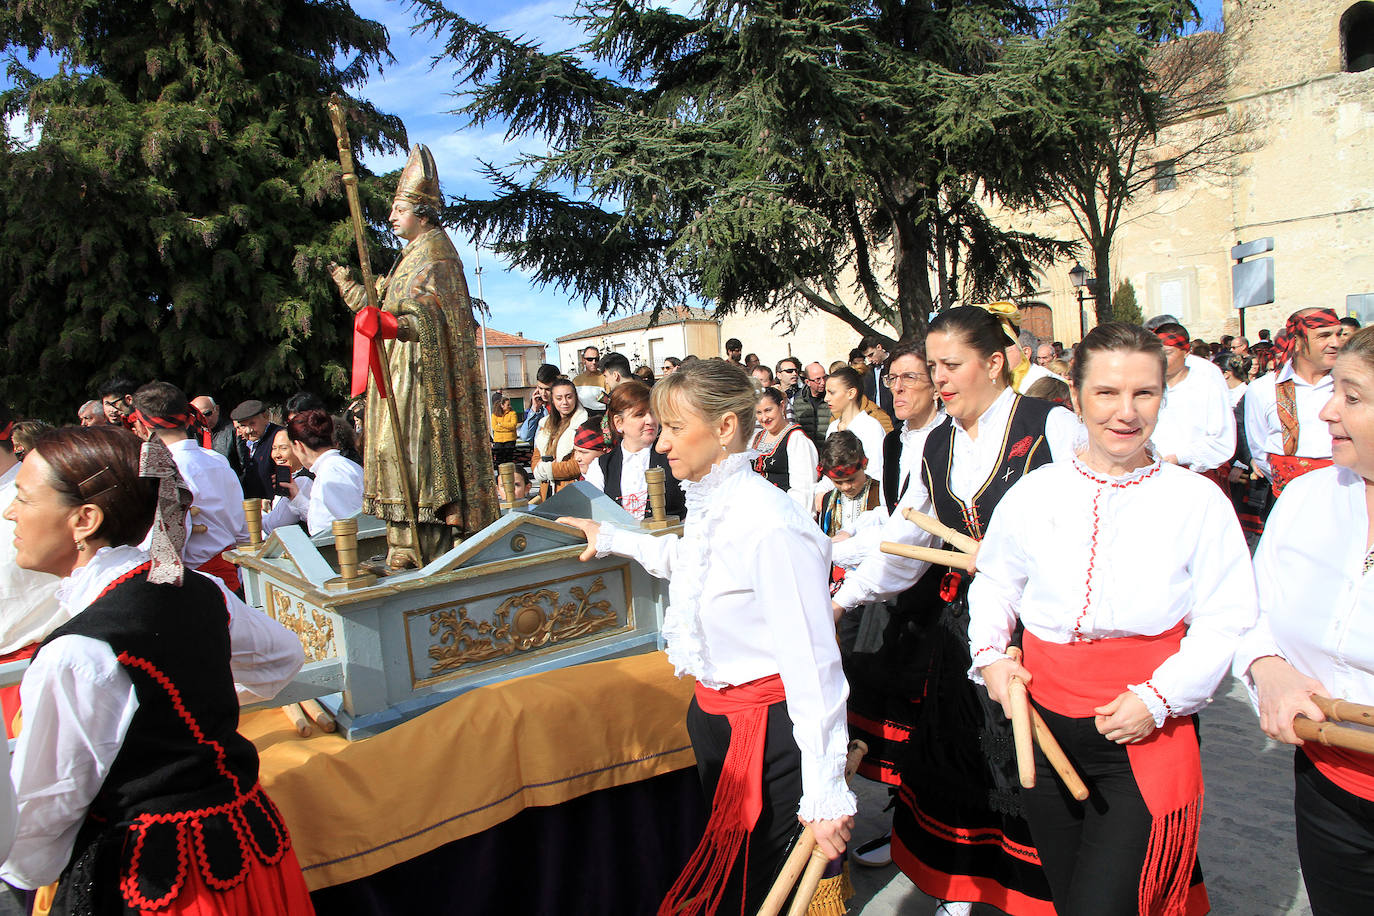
{"type": "Point", "coordinates": [1357, 38]}
{"type": "Point", "coordinates": [515, 371]}
{"type": "Point", "coordinates": [1166, 178]}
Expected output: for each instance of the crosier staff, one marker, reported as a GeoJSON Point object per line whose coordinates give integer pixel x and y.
{"type": "Point", "coordinates": [372, 322]}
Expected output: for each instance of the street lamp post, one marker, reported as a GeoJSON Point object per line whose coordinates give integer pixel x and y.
{"type": "Point", "coordinates": [1084, 284]}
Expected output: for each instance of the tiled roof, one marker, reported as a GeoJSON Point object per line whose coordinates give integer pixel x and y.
{"type": "Point", "coordinates": [640, 322]}
{"type": "Point", "coordinates": [495, 338]}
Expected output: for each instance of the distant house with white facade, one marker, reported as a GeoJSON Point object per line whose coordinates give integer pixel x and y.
{"type": "Point", "coordinates": [679, 332]}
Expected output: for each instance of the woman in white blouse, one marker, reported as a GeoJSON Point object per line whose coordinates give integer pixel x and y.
{"type": "Point", "coordinates": [786, 457]}
{"type": "Point", "coordinates": [1132, 580]}
{"type": "Point", "coordinates": [132, 781]}
{"type": "Point", "coordinates": [844, 397]}
{"type": "Point", "coordinates": [748, 618]}
{"type": "Point", "coordinates": [1316, 637]}
{"type": "Point", "coordinates": [337, 490]}
{"type": "Point", "coordinates": [280, 512]}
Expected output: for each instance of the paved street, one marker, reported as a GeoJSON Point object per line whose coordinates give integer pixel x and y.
{"type": "Point", "coordinates": [1247, 847]}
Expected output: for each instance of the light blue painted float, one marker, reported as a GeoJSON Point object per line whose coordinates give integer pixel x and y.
{"type": "Point", "coordinates": [509, 601]}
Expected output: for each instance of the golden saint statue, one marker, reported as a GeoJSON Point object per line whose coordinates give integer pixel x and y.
{"type": "Point", "coordinates": [435, 377]}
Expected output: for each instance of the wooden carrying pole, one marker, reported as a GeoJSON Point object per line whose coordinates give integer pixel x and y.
{"type": "Point", "coordinates": [931, 555]}
{"type": "Point", "coordinates": [355, 209]}
{"type": "Point", "coordinates": [956, 539]}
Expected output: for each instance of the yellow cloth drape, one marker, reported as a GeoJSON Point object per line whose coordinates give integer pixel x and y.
{"type": "Point", "coordinates": [355, 808]}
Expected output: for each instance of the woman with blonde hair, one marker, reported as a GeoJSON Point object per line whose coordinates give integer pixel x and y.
{"type": "Point", "coordinates": [748, 619]}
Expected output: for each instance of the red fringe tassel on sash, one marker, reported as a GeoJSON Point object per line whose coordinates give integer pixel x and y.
{"type": "Point", "coordinates": [1075, 678]}
{"type": "Point", "coordinates": [738, 800]}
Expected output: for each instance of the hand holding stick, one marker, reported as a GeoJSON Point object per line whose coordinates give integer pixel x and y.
{"type": "Point", "coordinates": [1022, 731]}
{"type": "Point", "coordinates": [806, 855]}
{"type": "Point", "coordinates": [956, 539]}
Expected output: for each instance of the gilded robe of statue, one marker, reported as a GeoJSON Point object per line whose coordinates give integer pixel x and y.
{"type": "Point", "coordinates": [436, 379]}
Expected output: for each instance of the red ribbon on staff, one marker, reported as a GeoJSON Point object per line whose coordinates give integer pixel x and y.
{"type": "Point", "coordinates": [370, 324]}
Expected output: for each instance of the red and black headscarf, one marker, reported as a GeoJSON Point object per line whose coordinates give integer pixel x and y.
{"type": "Point", "coordinates": [1177, 339]}
{"type": "Point", "coordinates": [191, 419]}
{"type": "Point", "coordinates": [1299, 323]}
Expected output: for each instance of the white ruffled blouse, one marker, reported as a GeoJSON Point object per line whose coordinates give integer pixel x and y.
{"type": "Point", "coordinates": [748, 598]}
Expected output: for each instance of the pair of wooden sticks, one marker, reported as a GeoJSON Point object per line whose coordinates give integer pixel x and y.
{"type": "Point", "coordinates": [806, 860]}
{"type": "Point", "coordinates": [1026, 725]}
{"type": "Point", "coordinates": [1333, 735]}
{"type": "Point", "coordinates": [961, 557]}
{"type": "Point", "coordinates": [308, 714]}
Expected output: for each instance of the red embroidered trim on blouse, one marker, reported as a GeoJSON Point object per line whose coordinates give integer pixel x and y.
{"type": "Point", "coordinates": [1103, 483]}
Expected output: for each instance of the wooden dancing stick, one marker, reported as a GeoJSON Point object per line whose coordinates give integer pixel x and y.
{"type": "Point", "coordinates": [297, 718]}
{"type": "Point", "coordinates": [355, 209]}
{"type": "Point", "coordinates": [319, 716]}
{"type": "Point", "coordinates": [806, 856]}
{"type": "Point", "coordinates": [1022, 731]}
{"type": "Point", "coordinates": [1057, 758]}
{"type": "Point", "coordinates": [1333, 735]}
{"type": "Point", "coordinates": [956, 539]}
{"type": "Point", "coordinates": [1345, 711]}
{"type": "Point", "coordinates": [951, 558]}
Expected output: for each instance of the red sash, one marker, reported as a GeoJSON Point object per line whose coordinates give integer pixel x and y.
{"type": "Point", "coordinates": [1287, 468]}
{"type": "Point", "coordinates": [9, 696]}
{"type": "Point", "coordinates": [221, 569]}
{"type": "Point", "coordinates": [1072, 680]}
{"type": "Point", "coordinates": [1351, 770]}
{"type": "Point", "coordinates": [739, 795]}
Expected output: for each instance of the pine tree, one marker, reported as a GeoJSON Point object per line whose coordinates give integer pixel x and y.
{"type": "Point", "coordinates": [769, 154]}
{"type": "Point", "coordinates": [176, 216]}
{"type": "Point", "coordinates": [1124, 305]}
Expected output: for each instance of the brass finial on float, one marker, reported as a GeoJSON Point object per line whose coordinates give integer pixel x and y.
{"type": "Point", "coordinates": [508, 500]}
{"type": "Point", "coordinates": [252, 512]}
{"type": "Point", "coordinates": [658, 501]}
{"type": "Point", "coordinates": [346, 550]}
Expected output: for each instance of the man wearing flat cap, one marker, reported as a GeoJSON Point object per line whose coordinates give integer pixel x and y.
{"type": "Point", "coordinates": [254, 449]}
{"type": "Point", "coordinates": [426, 329]}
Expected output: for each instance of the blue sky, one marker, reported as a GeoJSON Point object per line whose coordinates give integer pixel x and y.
{"type": "Point", "coordinates": [422, 96]}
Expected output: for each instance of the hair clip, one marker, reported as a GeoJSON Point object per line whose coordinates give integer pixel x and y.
{"type": "Point", "coordinates": [102, 481]}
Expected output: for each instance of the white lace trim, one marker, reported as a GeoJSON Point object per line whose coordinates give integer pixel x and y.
{"type": "Point", "coordinates": [77, 591]}
{"type": "Point", "coordinates": [682, 630]}
{"type": "Point", "coordinates": [833, 798]}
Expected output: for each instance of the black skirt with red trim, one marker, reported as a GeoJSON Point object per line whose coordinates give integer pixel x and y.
{"type": "Point", "coordinates": [958, 833]}
{"type": "Point", "coordinates": [888, 683]}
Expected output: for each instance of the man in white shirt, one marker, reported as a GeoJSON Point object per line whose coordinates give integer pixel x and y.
{"type": "Point", "coordinates": [1020, 353]}
{"type": "Point", "coordinates": [217, 521]}
{"type": "Point", "coordinates": [1197, 428]}
{"type": "Point", "coordinates": [1287, 438]}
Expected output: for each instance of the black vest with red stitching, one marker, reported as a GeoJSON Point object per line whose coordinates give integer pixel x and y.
{"type": "Point", "coordinates": [183, 763]}
{"type": "Point", "coordinates": [774, 465]}
{"type": "Point", "coordinates": [1023, 450]}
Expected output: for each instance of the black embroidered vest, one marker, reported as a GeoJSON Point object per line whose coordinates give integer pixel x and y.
{"type": "Point", "coordinates": [1023, 450]}
{"type": "Point", "coordinates": [183, 790]}
{"type": "Point", "coordinates": [612, 462]}
{"type": "Point", "coordinates": [773, 465]}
